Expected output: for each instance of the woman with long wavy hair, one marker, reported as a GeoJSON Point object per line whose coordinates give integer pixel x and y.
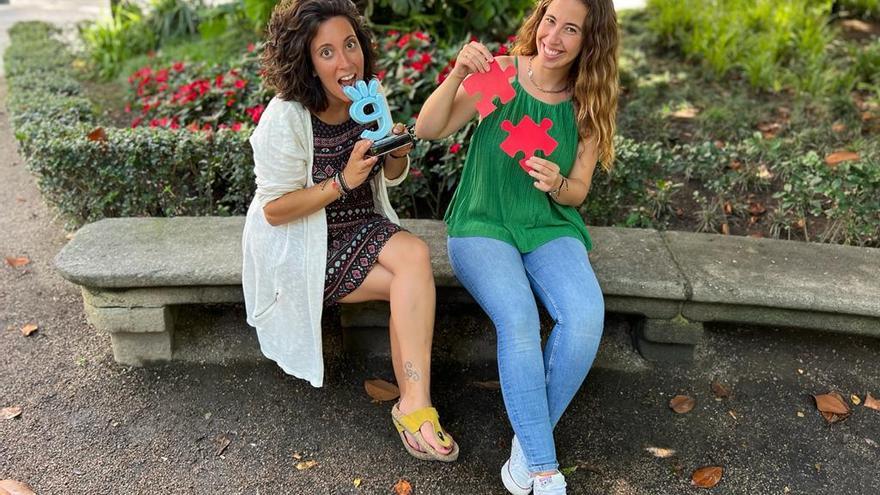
{"type": "Point", "coordinates": [515, 234]}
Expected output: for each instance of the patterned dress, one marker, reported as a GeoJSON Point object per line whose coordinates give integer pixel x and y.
{"type": "Point", "coordinates": [355, 231]}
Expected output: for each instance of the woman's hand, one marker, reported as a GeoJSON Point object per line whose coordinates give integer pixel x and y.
{"type": "Point", "coordinates": [474, 57]}
{"type": "Point", "coordinates": [399, 129]}
{"type": "Point", "coordinates": [358, 167]}
{"type": "Point", "coordinates": [545, 173]}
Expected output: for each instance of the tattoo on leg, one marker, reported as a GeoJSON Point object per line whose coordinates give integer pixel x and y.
{"type": "Point", "coordinates": [411, 372]}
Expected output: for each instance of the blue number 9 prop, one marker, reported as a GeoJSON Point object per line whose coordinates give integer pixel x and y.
{"type": "Point", "coordinates": [363, 96]}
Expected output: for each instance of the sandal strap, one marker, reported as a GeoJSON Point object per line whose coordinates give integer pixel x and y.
{"type": "Point", "coordinates": [413, 422]}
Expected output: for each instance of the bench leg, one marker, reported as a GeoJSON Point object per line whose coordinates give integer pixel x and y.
{"type": "Point", "coordinates": [365, 329]}
{"type": "Point", "coordinates": [667, 340]}
{"type": "Point", "coordinates": [138, 335]}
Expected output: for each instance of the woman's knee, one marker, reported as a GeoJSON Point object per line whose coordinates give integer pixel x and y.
{"type": "Point", "coordinates": [586, 319]}
{"type": "Point", "coordinates": [410, 254]}
{"type": "Point", "coordinates": [518, 328]}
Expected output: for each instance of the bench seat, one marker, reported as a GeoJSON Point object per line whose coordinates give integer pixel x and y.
{"type": "Point", "coordinates": [134, 270]}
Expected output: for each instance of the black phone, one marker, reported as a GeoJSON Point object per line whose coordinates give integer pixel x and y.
{"type": "Point", "coordinates": [390, 143]}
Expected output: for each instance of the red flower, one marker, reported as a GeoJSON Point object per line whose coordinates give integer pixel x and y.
{"type": "Point", "coordinates": [230, 102]}
{"type": "Point", "coordinates": [162, 75]}
{"type": "Point", "coordinates": [136, 122]}
{"type": "Point", "coordinates": [502, 50]}
{"type": "Point", "coordinates": [415, 172]}
{"type": "Point", "coordinates": [408, 80]}
{"type": "Point", "coordinates": [251, 47]}
{"type": "Point", "coordinates": [426, 58]}
{"type": "Point", "coordinates": [418, 66]}
{"type": "Point", "coordinates": [411, 53]}
{"type": "Point", "coordinates": [206, 127]}
{"type": "Point", "coordinates": [255, 112]}
{"type": "Point", "coordinates": [240, 83]}
{"type": "Point", "coordinates": [422, 36]}
{"type": "Point", "coordinates": [381, 74]}
{"type": "Point", "coordinates": [218, 81]}
{"type": "Point", "coordinates": [403, 41]}
{"type": "Point", "coordinates": [178, 66]}
{"type": "Point", "coordinates": [455, 148]}
{"type": "Point", "coordinates": [393, 33]}
{"type": "Point", "coordinates": [236, 126]}
{"type": "Point", "coordinates": [175, 124]}
{"type": "Point", "coordinates": [154, 123]}
{"type": "Point", "coordinates": [128, 108]}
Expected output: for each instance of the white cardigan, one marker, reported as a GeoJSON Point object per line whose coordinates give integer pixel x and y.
{"type": "Point", "coordinates": [283, 267]}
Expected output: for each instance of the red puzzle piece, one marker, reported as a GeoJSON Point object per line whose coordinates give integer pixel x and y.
{"type": "Point", "coordinates": [490, 84]}
{"type": "Point", "coordinates": [528, 137]}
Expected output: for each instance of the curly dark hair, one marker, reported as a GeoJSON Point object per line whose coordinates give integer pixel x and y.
{"type": "Point", "coordinates": [286, 61]}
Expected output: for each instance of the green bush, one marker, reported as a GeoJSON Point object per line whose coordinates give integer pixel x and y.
{"type": "Point", "coordinates": [773, 43]}
{"type": "Point", "coordinates": [126, 172]}
{"type": "Point", "coordinates": [864, 8]}
{"type": "Point", "coordinates": [449, 20]}
{"type": "Point", "coordinates": [132, 30]}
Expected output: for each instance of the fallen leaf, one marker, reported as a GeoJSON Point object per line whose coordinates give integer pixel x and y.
{"type": "Point", "coordinates": [855, 399]}
{"type": "Point", "coordinates": [301, 466]}
{"type": "Point", "coordinates": [13, 487]}
{"type": "Point", "coordinates": [568, 471]}
{"type": "Point", "coordinates": [381, 390]}
{"type": "Point", "coordinates": [769, 129]}
{"type": "Point", "coordinates": [838, 127]}
{"type": "Point", "coordinates": [297, 456]}
{"type": "Point", "coordinates": [735, 165]}
{"type": "Point", "coordinates": [357, 482]}
{"type": "Point", "coordinates": [488, 385]}
{"type": "Point", "coordinates": [402, 487]}
{"type": "Point", "coordinates": [98, 135]}
{"type": "Point", "coordinates": [222, 441]}
{"type": "Point", "coordinates": [682, 404]}
{"type": "Point", "coordinates": [660, 452]}
{"type": "Point", "coordinates": [720, 390]}
{"type": "Point", "coordinates": [757, 209]}
{"type": "Point", "coordinates": [764, 172]}
{"type": "Point", "coordinates": [728, 208]}
{"type": "Point", "coordinates": [29, 329]}
{"type": "Point", "coordinates": [840, 156]}
{"type": "Point", "coordinates": [725, 228]}
{"type": "Point", "coordinates": [800, 414]}
{"type": "Point", "coordinates": [732, 415]}
{"type": "Point", "coordinates": [832, 406]}
{"type": "Point", "coordinates": [686, 113]}
{"type": "Point", "coordinates": [10, 412]}
{"type": "Point", "coordinates": [17, 261]}
{"type": "Point", "coordinates": [707, 477]}
{"type": "Point", "coordinates": [872, 403]}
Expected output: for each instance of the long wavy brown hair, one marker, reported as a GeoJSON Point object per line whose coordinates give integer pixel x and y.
{"type": "Point", "coordinates": [286, 59]}
{"type": "Point", "coordinates": [593, 75]}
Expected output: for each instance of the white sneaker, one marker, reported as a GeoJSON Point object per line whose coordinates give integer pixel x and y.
{"type": "Point", "coordinates": [550, 485]}
{"type": "Point", "coordinates": [515, 473]}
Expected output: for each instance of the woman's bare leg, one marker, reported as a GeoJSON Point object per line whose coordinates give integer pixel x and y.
{"type": "Point", "coordinates": [404, 277]}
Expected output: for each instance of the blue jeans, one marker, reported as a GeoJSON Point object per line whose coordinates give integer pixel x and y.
{"type": "Point", "coordinates": [537, 386]}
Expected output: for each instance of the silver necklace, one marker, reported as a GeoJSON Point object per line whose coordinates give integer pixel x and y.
{"type": "Point", "coordinates": [532, 80]}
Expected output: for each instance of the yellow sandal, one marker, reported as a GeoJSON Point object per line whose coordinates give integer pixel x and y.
{"type": "Point", "coordinates": [412, 423]}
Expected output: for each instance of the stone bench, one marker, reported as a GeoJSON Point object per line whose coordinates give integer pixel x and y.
{"type": "Point", "coordinates": [134, 270]}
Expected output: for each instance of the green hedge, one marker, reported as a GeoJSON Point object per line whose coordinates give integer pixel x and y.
{"type": "Point", "coordinates": [131, 172]}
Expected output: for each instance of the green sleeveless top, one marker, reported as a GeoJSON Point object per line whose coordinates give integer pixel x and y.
{"type": "Point", "coordinates": [496, 198]}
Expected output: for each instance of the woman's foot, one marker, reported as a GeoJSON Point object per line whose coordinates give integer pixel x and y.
{"type": "Point", "coordinates": [515, 472]}
{"type": "Point", "coordinates": [549, 484]}
{"type": "Point", "coordinates": [426, 429]}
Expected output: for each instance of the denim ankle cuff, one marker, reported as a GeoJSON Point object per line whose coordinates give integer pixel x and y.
{"type": "Point", "coordinates": [540, 468]}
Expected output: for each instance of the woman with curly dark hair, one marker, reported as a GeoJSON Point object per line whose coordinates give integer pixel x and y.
{"type": "Point", "coordinates": [320, 230]}
{"type": "Point", "coordinates": [515, 235]}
